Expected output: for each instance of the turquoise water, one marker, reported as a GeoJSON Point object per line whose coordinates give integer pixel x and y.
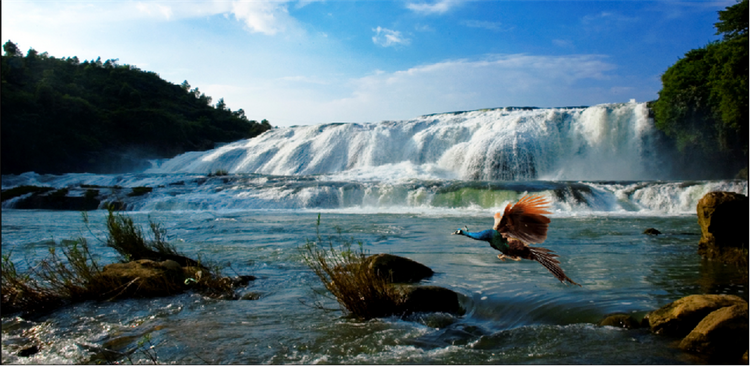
{"type": "Point", "coordinates": [516, 312]}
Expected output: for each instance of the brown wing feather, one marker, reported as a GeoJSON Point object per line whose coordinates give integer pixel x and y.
{"type": "Point", "coordinates": [525, 220]}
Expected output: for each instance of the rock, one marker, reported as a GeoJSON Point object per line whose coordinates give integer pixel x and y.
{"type": "Point", "coordinates": [652, 231]}
{"type": "Point", "coordinates": [722, 333]}
{"type": "Point", "coordinates": [57, 200]}
{"type": "Point", "coordinates": [680, 317]}
{"type": "Point", "coordinates": [250, 296]}
{"type": "Point", "coordinates": [723, 218]}
{"type": "Point", "coordinates": [142, 278]}
{"type": "Point", "coordinates": [429, 299]}
{"type": "Point", "coordinates": [28, 351]}
{"type": "Point", "coordinates": [620, 320]}
{"type": "Point", "coordinates": [398, 269]}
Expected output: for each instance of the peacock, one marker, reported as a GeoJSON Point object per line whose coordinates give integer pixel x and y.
{"type": "Point", "coordinates": [522, 224]}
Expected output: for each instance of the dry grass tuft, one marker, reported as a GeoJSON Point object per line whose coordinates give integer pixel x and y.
{"type": "Point", "coordinates": [344, 273]}
{"type": "Point", "coordinates": [70, 273]}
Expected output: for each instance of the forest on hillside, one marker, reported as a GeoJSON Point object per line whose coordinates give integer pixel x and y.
{"type": "Point", "coordinates": [703, 105]}
{"type": "Point", "coordinates": [61, 115]}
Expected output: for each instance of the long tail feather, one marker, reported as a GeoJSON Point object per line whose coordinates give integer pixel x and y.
{"type": "Point", "coordinates": [548, 259]}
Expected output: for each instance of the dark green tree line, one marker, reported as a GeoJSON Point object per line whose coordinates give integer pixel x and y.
{"type": "Point", "coordinates": [63, 115]}
{"type": "Point", "coordinates": [703, 104]}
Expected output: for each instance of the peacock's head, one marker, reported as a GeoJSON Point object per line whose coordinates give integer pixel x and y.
{"type": "Point", "coordinates": [461, 231]}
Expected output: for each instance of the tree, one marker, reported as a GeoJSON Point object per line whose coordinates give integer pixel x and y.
{"type": "Point", "coordinates": [733, 21]}
{"type": "Point", "coordinates": [11, 49]}
{"type": "Point", "coordinates": [703, 103]}
{"type": "Point", "coordinates": [220, 105]}
{"type": "Point", "coordinates": [62, 116]}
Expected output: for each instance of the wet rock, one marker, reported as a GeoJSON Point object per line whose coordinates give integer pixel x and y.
{"type": "Point", "coordinates": [429, 299]}
{"type": "Point", "coordinates": [620, 320]}
{"type": "Point", "coordinates": [397, 269]}
{"type": "Point", "coordinates": [28, 351]}
{"type": "Point", "coordinates": [250, 296]}
{"type": "Point", "coordinates": [723, 332]}
{"type": "Point", "coordinates": [652, 231]}
{"type": "Point", "coordinates": [723, 218]}
{"type": "Point", "coordinates": [57, 200]}
{"type": "Point", "coordinates": [680, 317]}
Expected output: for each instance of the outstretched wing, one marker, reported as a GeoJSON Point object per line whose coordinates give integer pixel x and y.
{"type": "Point", "coordinates": [525, 220]}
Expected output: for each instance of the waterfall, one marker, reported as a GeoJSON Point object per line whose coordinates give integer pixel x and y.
{"type": "Point", "coordinates": [604, 142]}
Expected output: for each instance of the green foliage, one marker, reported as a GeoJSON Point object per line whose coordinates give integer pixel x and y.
{"type": "Point", "coordinates": [703, 103]}
{"type": "Point", "coordinates": [64, 115]}
{"type": "Point", "coordinates": [733, 22]}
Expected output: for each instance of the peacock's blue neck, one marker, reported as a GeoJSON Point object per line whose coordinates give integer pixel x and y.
{"type": "Point", "coordinates": [485, 235]}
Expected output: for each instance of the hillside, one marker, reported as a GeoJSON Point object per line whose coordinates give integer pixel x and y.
{"type": "Point", "coordinates": [64, 116]}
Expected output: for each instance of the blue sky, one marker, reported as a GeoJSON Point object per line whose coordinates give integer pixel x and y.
{"type": "Point", "coordinates": [317, 61]}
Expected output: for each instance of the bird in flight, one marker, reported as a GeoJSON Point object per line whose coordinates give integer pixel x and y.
{"type": "Point", "coordinates": [520, 225]}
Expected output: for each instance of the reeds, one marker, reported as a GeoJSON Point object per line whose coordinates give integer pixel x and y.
{"type": "Point", "coordinates": [344, 273]}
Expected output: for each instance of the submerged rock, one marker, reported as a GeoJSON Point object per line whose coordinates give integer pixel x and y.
{"type": "Point", "coordinates": [620, 320]}
{"type": "Point", "coordinates": [651, 231]}
{"type": "Point", "coordinates": [723, 333]}
{"type": "Point", "coordinates": [723, 218]}
{"type": "Point", "coordinates": [680, 317]}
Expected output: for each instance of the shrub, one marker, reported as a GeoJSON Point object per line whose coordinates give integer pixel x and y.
{"type": "Point", "coordinates": [343, 272]}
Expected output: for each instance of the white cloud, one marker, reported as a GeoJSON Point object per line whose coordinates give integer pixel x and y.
{"type": "Point", "coordinates": [267, 17]}
{"type": "Point", "coordinates": [439, 7]}
{"type": "Point", "coordinates": [505, 80]}
{"type": "Point", "coordinates": [386, 37]}
{"type": "Point", "coordinates": [566, 43]}
{"type": "Point", "coordinates": [483, 24]}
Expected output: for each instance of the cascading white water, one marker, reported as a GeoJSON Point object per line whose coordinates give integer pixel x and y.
{"type": "Point", "coordinates": [610, 141]}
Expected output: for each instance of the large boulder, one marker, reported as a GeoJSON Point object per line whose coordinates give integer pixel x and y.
{"type": "Point", "coordinates": [680, 317]}
{"type": "Point", "coordinates": [397, 269]}
{"type": "Point", "coordinates": [721, 333]}
{"type": "Point", "coordinates": [723, 218]}
{"type": "Point", "coordinates": [142, 278]}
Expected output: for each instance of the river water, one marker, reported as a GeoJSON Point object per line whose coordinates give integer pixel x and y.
{"type": "Point", "coordinates": [399, 187]}
{"type": "Point", "coordinates": [516, 312]}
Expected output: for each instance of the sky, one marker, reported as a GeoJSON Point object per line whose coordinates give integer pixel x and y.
{"type": "Point", "coordinates": [302, 62]}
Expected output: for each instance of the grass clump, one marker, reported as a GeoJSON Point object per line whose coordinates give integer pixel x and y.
{"type": "Point", "coordinates": [344, 273]}
{"type": "Point", "coordinates": [70, 273]}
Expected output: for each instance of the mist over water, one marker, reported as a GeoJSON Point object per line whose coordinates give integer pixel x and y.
{"type": "Point", "coordinates": [604, 142]}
